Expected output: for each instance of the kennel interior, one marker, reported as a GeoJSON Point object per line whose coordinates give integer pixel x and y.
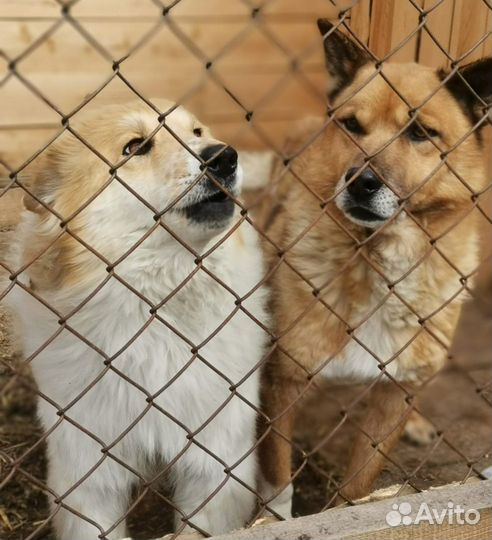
{"type": "Point", "coordinates": [249, 69]}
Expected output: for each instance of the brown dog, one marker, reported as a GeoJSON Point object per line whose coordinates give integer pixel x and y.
{"type": "Point", "coordinates": [377, 238]}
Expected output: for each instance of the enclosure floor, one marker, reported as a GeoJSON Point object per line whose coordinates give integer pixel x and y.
{"type": "Point", "coordinates": [451, 401]}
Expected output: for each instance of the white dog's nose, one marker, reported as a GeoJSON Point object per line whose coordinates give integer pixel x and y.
{"type": "Point", "coordinates": [220, 160]}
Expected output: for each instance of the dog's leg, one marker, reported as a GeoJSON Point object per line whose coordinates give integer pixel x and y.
{"type": "Point", "coordinates": [102, 498]}
{"type": "Point", "coordinates": [276, 449]}
{"type": "Point", "coordinates": [209, 499]}
{"type": "Point", "coordinates": [380, 430]}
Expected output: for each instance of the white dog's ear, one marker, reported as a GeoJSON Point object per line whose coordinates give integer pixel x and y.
{"type": "Point", "coordinates": [41, 180]}
{"type": "Point", "coordinates": [471, 86]}
{"type": "Point", "coordinates": [343, 57]}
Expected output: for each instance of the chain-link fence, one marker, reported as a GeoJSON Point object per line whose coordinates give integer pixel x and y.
{"type": "Point", "coordinates": [373, 220]}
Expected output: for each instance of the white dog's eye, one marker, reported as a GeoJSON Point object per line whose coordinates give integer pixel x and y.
{"type": "Point", "coordinates": [134, 147]}
{"type": "Point", "coordinates": [197, 132]}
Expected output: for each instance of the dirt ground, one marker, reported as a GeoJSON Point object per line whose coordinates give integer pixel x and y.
{"type": "Point", "coordinates": [458, 402]}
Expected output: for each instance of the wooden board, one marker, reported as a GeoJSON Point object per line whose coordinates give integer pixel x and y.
{"type": "Point", "coordinates": [437, 28]}
{"type": "Point", "coordinates": [369, 520]}
{"type": "Point", "coordinates": [251, 57]}
{"type": "Point", "coordinates": [360, 20]}
{"type": "Point", "coordinates": [471, 23]}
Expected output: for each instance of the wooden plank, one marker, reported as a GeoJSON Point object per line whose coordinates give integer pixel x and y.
{"type": "Point", "coordinates": [312, 9]}
{"type": "Point", "coordinates": [26, 9]}
{"type": "Point", "coordinates": [469, 25]}
{"type": "Point", "coordinates": [406, 20]}
{"type": "Point", "coordinates": [66, 68]}
{"type": "Point", "coordinates": [428, 532]}
{"type": "Point", "coordinates": [19, 144]}
{"type": "Point", "coordinates": [360, 20]}
{"type": "Point", "coordinates": [382, 15]}
{"type": "Point", "coordinates": [199, 8]}
{"type": "Point", "coordinates": [210, 103]}
{"type": "Point", "coordinates": [139, 8]}
{"type": "Point", "coordinates": [439, 23]}
{"type": "Point", "coordinates": [67, 48]}
{"type": "Point", "coordinates": [20, 107]}
{"type": "Point", "coordinates": [487, 45]}
{"type": "Point", "coordinates": [21, 9]}
{"type": "Point", "coordinates": [117, 8]}
{"type": "Point", "coordinates": [258, 136]}
{"type": "Point", "coordinates": [392, 22]}
{"type": "Point", "coordinates": [368, 520]}
{"type": "Point", "coordinates": [16, 36]}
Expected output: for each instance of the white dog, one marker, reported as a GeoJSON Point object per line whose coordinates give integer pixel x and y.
{"type": "Point", "coordinates": [138, 351]}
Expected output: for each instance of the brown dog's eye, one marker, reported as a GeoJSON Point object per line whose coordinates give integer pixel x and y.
{"type": "Point", "coordinates": [421, 133]}
{"type": "Point", "coordinates": [197, 132]}
{"type": "Point", "coordinates": [352, 124]}
{"type": "Point", "coordinates": [133, 147]}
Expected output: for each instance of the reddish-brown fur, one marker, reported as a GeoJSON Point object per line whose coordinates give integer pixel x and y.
{"type": "Point", "coordinates": [408, 271]}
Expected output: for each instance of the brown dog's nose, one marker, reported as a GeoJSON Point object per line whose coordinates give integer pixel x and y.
{"type": "Point", "coordinates": [364, 186]}
{"type": "Point", "coordinates": [220, 160]}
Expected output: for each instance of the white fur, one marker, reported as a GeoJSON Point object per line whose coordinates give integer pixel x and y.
{"type": "Point", "coordinates": [278, 500]}
{"type": "Point", "coordinates": [66, 367]}
{"type": "Point", "coordinates": [257, 167]}
{"type": "Point", "coordinates": [359, 361]}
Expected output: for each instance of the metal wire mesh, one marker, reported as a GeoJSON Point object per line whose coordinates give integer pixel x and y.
{"type": "Point", "coordinates": [311, 473]}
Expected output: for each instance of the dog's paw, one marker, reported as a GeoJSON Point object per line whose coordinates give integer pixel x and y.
{"type": "Point", "coordinates": [279, 500]}
{"type": "Point", "coordinates": [266, 520]}
{"type": "Point", "coordinates": [418, 430]}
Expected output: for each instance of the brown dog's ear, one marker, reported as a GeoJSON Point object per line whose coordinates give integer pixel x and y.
{"type": "Point", "coordinates": [471, 86]}
{"type": "Point", "coordinates": [343, 57]}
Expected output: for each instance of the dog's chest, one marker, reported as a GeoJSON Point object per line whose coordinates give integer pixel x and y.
{"type": "Point", "coordinates": [176, 345]}
{"type": "Point", "coordinates": [369, 346]}
{"type": "Point", "coordinates": [382, 322]}
{"type": "Point", "coordinates": [185, 326]}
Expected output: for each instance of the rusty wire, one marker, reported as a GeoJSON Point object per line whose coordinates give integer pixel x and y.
{"type": "Point", "coordinates": [164, 18]}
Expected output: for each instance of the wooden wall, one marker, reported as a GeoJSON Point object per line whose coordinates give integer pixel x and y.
{"type": "Point", "coordinates": [251, 53]}
{"type": "Point", "coordinates": [252, 58]}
